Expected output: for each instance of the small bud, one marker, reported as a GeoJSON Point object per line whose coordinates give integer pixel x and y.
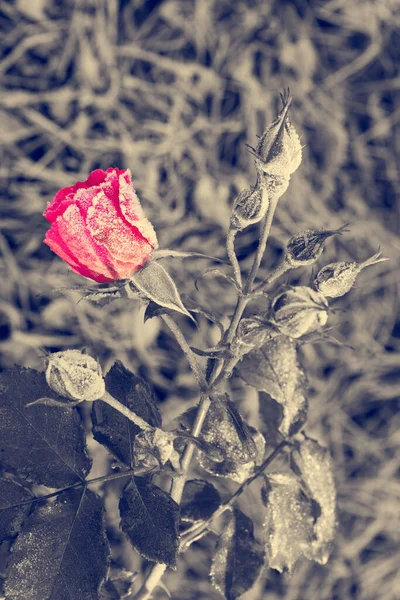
{"type": "Point", "coordinates": [336, 279]}
{"type": "Point", "coordinates": [75, 375]}
{"type": "Point", "coordinates": [157, 443]}
{"type": "Point", "coordinates": [249, 207]}
{"type": "Point", "coordinates": [306, 247]}
{"type": "Point", "coordinates": [299, 310]}
{"type": "Point", "coordinates": [279, 149]}
{"type": "Point", "coordinates": [252, 333]}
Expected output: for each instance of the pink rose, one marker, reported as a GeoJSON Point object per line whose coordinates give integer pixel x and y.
{"type": "Point", "coordinates": [98, 227]}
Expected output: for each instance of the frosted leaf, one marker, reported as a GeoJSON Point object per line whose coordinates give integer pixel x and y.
{"type": "Point", "coordinates": [274, 369]}
{"type": "Point", "coordinates": [288, 523]}
{"type": "Point", "coordinates": [157, 442]}
{"type": "Point", "coordinates": [314, 464]}
{"type": "Point", "coordinates": [239, 558]}
{"type": "Point", "coordinates": [157, 284]}
{"type": "Point", "coordinates": [232, 469]}
{"type": "Point", "coordinates": [225, 429]}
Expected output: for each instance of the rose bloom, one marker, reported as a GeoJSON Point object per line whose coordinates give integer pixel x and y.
{"type": "Point", "coordinates": [99, 228]}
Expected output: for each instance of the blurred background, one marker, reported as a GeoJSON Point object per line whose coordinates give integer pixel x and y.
{"type": "Point", "coordinates": [172, 90]}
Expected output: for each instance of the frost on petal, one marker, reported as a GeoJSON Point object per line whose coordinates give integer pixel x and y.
{"type": "Point", "coordinates": [54, 240]}
{"type": "Point", "coordinates": [91, 232]}
{"type": "Point", "coordinates": [126, 249]}
{"type": "Point", "coordinates": [75, 236]}
{"type": "Point", "coordinates": [133, 212]}
{"type": "Point", "coordinates": [59, 204]}
{"type": "Point", "coordinates": [66, 196]}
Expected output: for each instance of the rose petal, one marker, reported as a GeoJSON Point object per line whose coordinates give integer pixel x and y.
{"type": "Point", "coordinates": [73, 232]}
{"type": "Point", "coordinates": [100, 232]}
{"type": "Point", "coordinates": [132, 210]}
{"type": "Point", "coordinates": [65, 197]}
{"type": "Point", "coordinates": [126, 249]}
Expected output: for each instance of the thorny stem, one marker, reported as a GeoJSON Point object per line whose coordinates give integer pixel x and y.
{"type": "Point", "coordinates": [247, 291]}
{"type": "Point", "coordinates": [83, 482]}
{"type": "Point", "coordinates": [261, 245]}
{"type": "Point", "coordinates": [230, 248]}
{"type": "Point", "coordinates": [180, 338]}
{"type": "Point", "coordinates": [280, 270]}
{"type": "Point", "coordinates": [193, 532]}
{"type": "Point", "coordinates": [156, 572]}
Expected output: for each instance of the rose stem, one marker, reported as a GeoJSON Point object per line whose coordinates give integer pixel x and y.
{"type": "Point", "coordinates": [230, 248]}
{"type": "Point", "coordinates": [157, 571]}
{"type": "Point", "coordinates": [283, 268]}
{"type": "Point", "coordinates": [180, 338]}
{"type": "Point", "coordinates": [111, 401]}
{"type": "Point", "coordinates": [102, 478]}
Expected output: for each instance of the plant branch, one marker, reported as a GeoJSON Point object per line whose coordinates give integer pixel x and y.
{"type": "Point", "coordinates": [156, 572]}
{"type": "Point", "coordinates": [262, 244]}
{"type": "Point", "coordinates": [86, 482]}
{"type": "Point", "coordinates": [280, 270]}
{"type": "Point", "coordinates": [180, 338]}
{"type": "Point", "coordinates": [111, 401]}
{"type": "Point", "coordinates": [230, 247]}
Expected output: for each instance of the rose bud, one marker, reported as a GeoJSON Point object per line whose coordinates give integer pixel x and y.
{"type": "Point", "coordinates": [249, 207]}
{"type": "Point", "coordinates": [336, 279]}
{"type": "Point", "coordinates": [98, 227]}
{"type": "Point", "coordinates": [306, 247]}
{"type": "Point", "coordinates": [279, 149]}
{"type": "Point", "coordinates": [75, 375]}
{"type": "Point", "coordinates": [299, 310]}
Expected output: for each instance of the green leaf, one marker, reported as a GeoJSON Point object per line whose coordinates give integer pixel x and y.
{"type": "Point", "coordinates": [62, 551]}
{"type": "Point", "coordinates": [239, 558]}
{"type": "Point", "coordinates": [156, 284]}
{"type": "Point", "coordinates": [274, 369]}
{"type": "Point", "coordinates": [150, 520]}
{"type": "Point", "coordinates": [12, 511]}
{"type": "Point", "coordinates": [44, 444]}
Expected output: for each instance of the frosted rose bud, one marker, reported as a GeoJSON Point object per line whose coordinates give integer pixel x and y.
{"type": "Point", "coordinates": [75, 375]}
{"type": "Point", "coordinates": [299, 310]}
{"type": "Point", "coordinates": [99, 228]}
{"type": "Point", "coordinates": [336, 279]}
{"type": "Point", "coordinates": [279, 149]}
{"type": "Point", "coordinates": [306, 247]}
{"type": "Point", "coordinates": [249, 207]}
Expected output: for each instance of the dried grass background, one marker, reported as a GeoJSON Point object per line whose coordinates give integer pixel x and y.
{"type": "Point", "coordinates": [172, 90]}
